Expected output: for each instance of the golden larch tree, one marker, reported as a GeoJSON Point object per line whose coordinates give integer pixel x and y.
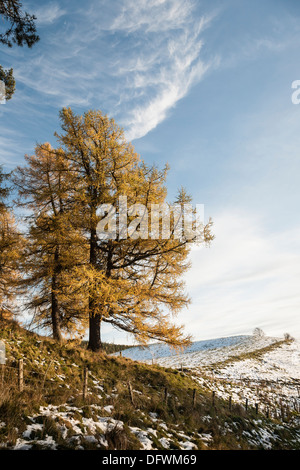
{"type": "Point", "coordinates": [54, 246]}
{"type": "Point", "coordinates": [132, 282]}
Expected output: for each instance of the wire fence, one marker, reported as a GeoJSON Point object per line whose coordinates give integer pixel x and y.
{"type": "Point", "coordinates": [18, 376]}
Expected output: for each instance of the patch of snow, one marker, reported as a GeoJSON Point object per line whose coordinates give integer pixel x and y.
{"type": "Point", "coordinates": [142, 436]}
{"type": "Point", "coordinates": [187, 445]}
{"type": "Point", "coordinates": [31, 428]}
{"type": "Point", "coordinates": [164, 442]}
{"type": "Point", "coordinates": [108, 408]}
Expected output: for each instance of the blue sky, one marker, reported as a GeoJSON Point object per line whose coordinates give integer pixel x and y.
{"type": "Point", "coordinates": [206, 87]}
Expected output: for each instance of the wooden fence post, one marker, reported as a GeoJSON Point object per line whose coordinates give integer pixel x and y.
{"type": "Point", "coordinates": [20, 375]}
{"type": "Point", "coordinates": [256, 408]}
{"type": "Point", "coordinates": [166, 395]}
{"type": "Point", "coordinates": [130, 393]}
{"type": "Point", "coordinates": [213, 398]}
{"type": "Point", "coordinates": [230, 403]}
{"type": "Point", "coordinates": [85, 382]}
{"type": "Point", "coordinates": [246, 406]}
{"type": "Point", "coordinates": [194, 397]}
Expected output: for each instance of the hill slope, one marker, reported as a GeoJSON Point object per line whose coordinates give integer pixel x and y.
{"type": "Point", "coordinates": [128, 405]}
{"type": "Point", "coordinates": [253, 368]}
{"type": "Point", "coordinates": [199, 352]}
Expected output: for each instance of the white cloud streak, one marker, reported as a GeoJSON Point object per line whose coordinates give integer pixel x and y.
{"type": "Point", "coordinates": [153, 15]}
{"type": "Point", "coordinates": [172, 65]}
{"type": "Point", "coordinates": [134, 59]}
{"type": "Point", "coordinates": [247, 278]}
{"type": "Point", "coordinates": [48, 14]}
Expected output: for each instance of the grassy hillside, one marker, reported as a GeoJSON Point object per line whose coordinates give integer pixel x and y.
{"type": "Point", "coordinates": [160, 413]}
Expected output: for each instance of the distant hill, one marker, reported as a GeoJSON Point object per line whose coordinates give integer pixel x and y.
{"type": "Point", "coordinates": [158, 352]}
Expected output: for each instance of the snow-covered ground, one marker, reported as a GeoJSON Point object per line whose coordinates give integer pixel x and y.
{"type": "Point", "coordinates": [269, 378]}
{"type": "Point", "coordinates": [158, 351]}
{"type": "Point", "coordinates": [95, 430]}
{"type": "Point", "coordinates": [200, 353]}
{"type": "Point", "coordinates": [280, 364]}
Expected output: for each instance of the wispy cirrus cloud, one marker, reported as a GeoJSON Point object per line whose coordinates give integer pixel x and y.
{"type": "Point", "coordinates": [134, 59]}
{"type": "Point", "coordinates": [153, 15]}
{"type": "Point", "coordinates": [165, 62]}
{"type": "Point", "coordinates": [48, 13]}
{"type": "Point", "coordinates": [10, 147]}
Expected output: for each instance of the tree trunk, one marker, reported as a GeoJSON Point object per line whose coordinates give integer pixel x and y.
{"type": "Point", "coordinates": [94, 318]}
{"type": "Point", "coordinates": [95, 343]}
{"type": "Point", "coordinates": [57, 335]}
{"type": "Point", "coordinates": [55, 313]}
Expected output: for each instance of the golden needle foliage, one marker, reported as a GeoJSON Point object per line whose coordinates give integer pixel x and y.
{"type": "Point", "coordinates": [134, 283]}
{"type": "Point", "coordinates": [52, 250]}
{"type": "Point", "coordinates": [11, 246]}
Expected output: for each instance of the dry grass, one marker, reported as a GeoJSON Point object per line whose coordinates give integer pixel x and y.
{"type": "Point", "coordinates": [53, 374]}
